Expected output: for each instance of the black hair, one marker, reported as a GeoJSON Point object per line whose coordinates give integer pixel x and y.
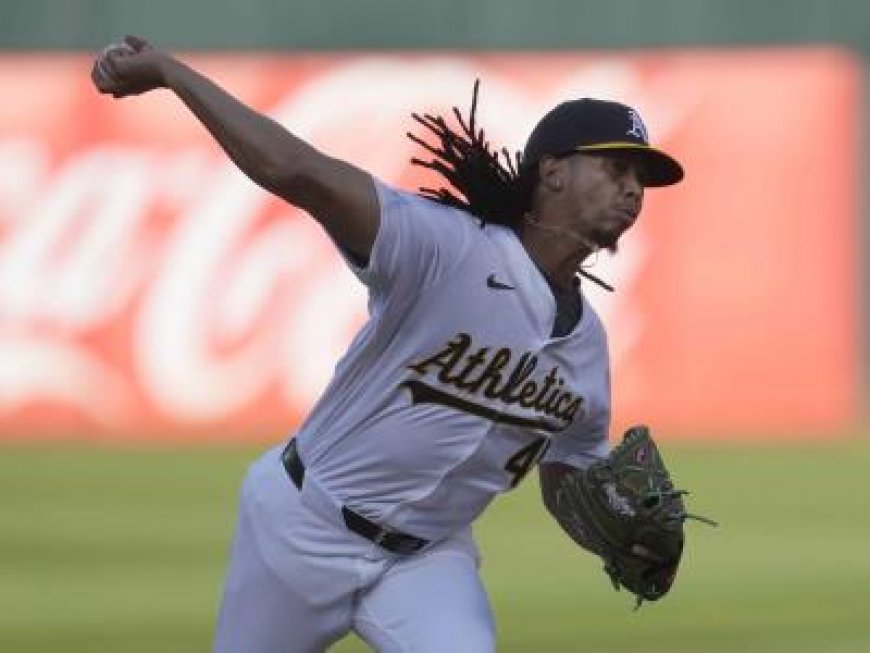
{"type": "Point", "coordinates": [493, 189]}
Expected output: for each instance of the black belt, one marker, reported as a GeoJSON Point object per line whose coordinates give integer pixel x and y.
{"type": "Point", "coordinates": [390, 540]}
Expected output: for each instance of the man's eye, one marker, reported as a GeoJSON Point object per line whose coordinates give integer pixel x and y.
{"type": "Point", "coordinates": [619, 167]}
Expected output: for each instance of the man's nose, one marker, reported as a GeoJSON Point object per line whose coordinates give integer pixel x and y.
{"type": "Point", "coordinates": [631, 183]}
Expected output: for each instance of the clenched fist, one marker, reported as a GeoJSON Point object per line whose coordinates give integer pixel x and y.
{"type": "Point", "coordinates": [129, 68]}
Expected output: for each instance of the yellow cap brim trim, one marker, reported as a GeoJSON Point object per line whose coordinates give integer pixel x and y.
{"type": "Point", "coordinates": [664, 171]}
{"type": "Point", "coordinates": [620, 145]}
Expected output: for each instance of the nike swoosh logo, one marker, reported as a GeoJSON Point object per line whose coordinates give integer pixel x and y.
{"type": "Point", "coordinates": [492, 282]}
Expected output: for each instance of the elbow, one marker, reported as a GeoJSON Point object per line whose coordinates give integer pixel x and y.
{"type": "Point", "coordinates": [278, 175]}
{"type": "Point", "coordinates": [269, 173]}
{"type": "Point", "coordinates": [280, 164]}
{"type": "Point", "coordinates": [294, 181]}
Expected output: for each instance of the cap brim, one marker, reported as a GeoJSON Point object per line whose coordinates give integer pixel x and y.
{"type": "Point", "coordinates": [661, 169]}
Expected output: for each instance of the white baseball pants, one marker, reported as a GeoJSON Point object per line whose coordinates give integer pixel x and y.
{"type": "Point", "coordinates": [298, 580]}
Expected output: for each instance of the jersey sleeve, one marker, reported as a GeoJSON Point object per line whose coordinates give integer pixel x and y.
{"type": "Point", "coordinates": [418, 242]}
{"type": "Point", "coordinates": [588, 441]}
{"type": "Point", "coordinates": [579, 449]}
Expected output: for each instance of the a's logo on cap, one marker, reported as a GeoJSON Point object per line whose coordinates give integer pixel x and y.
{"type": "Point", "coordinates": [637, 129]}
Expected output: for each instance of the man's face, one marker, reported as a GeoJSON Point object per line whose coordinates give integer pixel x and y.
{"type": "Point", "coordinates": [600, 196]}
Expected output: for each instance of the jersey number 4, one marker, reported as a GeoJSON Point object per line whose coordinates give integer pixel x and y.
{"type": "Point", "coordinates": [523, 460]}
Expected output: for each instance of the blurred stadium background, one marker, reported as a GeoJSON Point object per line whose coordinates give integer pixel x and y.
{"type": "Point", "coordinates": [162, 320]}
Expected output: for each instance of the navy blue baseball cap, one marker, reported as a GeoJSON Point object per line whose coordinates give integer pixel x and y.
{"type": "Point", "coordinates": [590, 125]}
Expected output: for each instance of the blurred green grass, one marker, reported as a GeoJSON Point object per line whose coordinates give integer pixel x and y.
{"type": "Point", "coordinates": [122, 549]}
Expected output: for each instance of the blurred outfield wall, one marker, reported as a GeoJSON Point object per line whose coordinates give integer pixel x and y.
{"type": "Point", "coordinates": [148, 290]}
{"type": "Point", "coordinates": [414, 24]}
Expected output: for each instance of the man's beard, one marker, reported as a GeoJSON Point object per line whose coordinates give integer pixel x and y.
{"type": "Point", "coordinates": [606, 239]}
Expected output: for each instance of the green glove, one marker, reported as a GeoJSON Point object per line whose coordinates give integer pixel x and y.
{"type": "Point", "coordinates": [626, 510]}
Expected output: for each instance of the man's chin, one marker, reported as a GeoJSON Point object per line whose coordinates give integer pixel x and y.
{"type": "Point", "coordinates": [607, 241]}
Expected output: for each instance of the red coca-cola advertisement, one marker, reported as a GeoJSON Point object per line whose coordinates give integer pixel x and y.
{"type": "Point", "coordinates": [149, 290]}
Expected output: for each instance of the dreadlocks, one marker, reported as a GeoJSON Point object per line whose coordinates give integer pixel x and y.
{"type": "Point", "coordinates": [487, 188]}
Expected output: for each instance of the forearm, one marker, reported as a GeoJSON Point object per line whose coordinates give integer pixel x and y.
{"type": "Point", "coordinates": [264, 150]}
{"type": "Point", "coordinates": [338, 195]}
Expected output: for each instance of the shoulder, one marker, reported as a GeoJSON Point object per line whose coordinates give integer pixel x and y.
{"type": "Point", "coordinates": [426, 225]}
{"type": "Point", "coordinates": [592, 327]}
{"type": "Point", "coordinates": [589, 311]}
{"type": "Point", "coordinates": [419, 241]}
{"type": "Point", "coordinates": [396, 200]}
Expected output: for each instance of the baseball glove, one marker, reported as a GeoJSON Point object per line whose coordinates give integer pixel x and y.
{"type": "Point", "coordinates": [626, 510]}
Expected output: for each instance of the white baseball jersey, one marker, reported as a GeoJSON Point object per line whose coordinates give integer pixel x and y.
{"type": "Point", "coordinates": [454, 387]}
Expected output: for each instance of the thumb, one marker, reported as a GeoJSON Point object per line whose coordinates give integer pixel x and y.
{"type": "Point", "coordinates": [137, 43]}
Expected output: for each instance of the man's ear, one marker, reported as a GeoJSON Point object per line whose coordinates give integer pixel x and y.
{"type": "Point", "coordinates": [551, 173]}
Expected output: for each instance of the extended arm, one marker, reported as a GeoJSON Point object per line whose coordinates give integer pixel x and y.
{"type": "Point", "coordinates": [338, 195]}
